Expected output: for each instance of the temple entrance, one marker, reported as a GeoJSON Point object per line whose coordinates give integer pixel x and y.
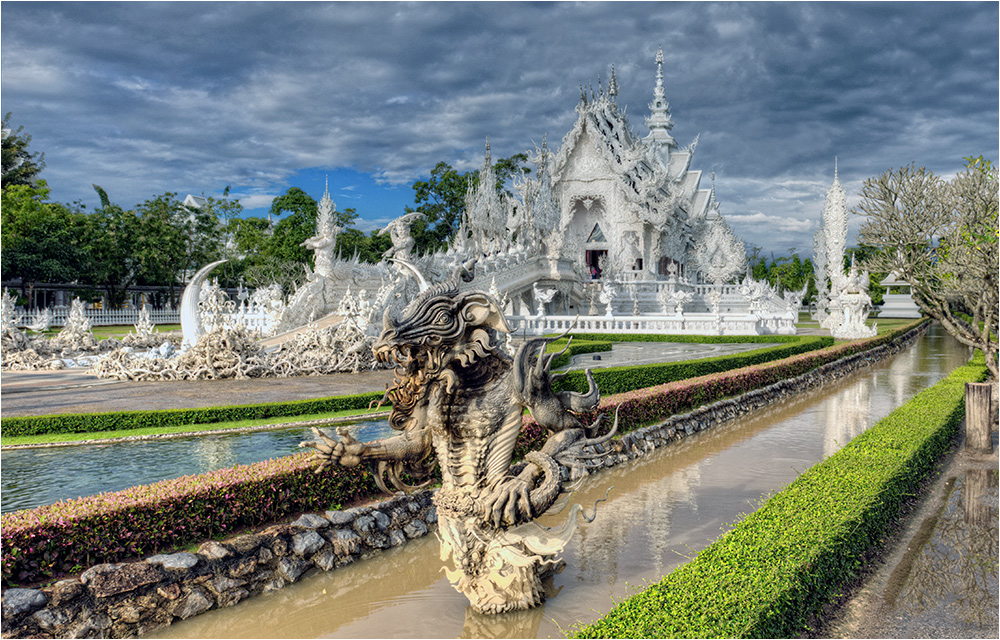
{"type": "Point", "coordinates": [593, 257]}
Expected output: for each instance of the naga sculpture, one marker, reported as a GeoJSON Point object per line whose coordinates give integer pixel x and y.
{"type": "Point", "coordinates": [458, 401]}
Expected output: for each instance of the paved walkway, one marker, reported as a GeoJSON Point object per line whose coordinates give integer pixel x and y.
{"type": "Point", "coordinates": [32, 393]}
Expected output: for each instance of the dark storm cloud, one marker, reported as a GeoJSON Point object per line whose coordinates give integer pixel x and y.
{"type": "Point", "coordinates": [147, 97]}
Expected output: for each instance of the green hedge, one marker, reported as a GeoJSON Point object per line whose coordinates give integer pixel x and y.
{"type": "Point", "coordinates": [777, 567]}
{"type": "Point", "coordinates": [116, 420]}
{"type": "Point", "coordinates": [612, 380]}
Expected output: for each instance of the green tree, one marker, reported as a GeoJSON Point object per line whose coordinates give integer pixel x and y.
{"type": "Point", "coordinates": [299, 223]}
{"type": "Point", "coordinates": [19, 165]}
{"type": "Point", "coordinates": [441, 198]}
{"type": "Point", "coordinates": [164, 241]}
{"type": "Point", "coordinates": [941, 237]}
{"type": "Point", "coordinates": [114, 263]}
{"type": "Point", "coordinates": [40, 239]}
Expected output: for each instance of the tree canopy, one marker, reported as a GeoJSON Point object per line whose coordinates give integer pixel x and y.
{"type": "Point", "coordinates": [19, 165]}
{"type": "Point", "coordinates": [941, 237]}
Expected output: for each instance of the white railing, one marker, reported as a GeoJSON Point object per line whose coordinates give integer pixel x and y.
{"type": "Point", "coordinates": [103, 317]}
{"type": "Point", "coordinates": [724, 324]}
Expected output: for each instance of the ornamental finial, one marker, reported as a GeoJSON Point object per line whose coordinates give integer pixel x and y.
{"type": "Point", "coordinates": [613, 84]}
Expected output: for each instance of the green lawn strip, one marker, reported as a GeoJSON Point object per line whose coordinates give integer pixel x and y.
{"type": "Point", "coordinates": [151, 431]}
{"type": "Point", "coordinates": [886, 325]}
{"type": "Point", "coordinates": [112, 331]}
{"type": "Point", "coordinates": [127, 420]}
{"type": "Point", "coordinates": [779, 565]}
{"type": "Point", "coordinates": [612, 380]}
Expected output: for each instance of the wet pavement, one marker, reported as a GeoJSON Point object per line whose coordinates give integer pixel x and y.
{"type": "Point", "coordinates": [938, 577]}
{"type": "Point", "coordinates": [33, 393]}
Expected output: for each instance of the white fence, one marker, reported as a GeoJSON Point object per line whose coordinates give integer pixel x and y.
{"type": "Point", "coordinates": [103, 317]}
{"type": "Point", "coordinates": [723, 324]}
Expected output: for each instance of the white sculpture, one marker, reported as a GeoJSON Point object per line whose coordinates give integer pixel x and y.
{"type": "Point", "coordinates": [42, 321]}
{"type": "Point", "coordinates": [325, 240]}
{"type": "Point", "coordinates": [835, 241]}
{"type": "Point", "coordinates": [608, 293]}
{"type": "Point", "coordinates": [542, 297]}
{"type": "Point", "coordinates": [144, 328]}
{"type": "Point", "coordinates": [855, 304]}
{"type": "Point", "coordinates": [677, 299]}
{"type": "Point", "coordinates": [402, 242]}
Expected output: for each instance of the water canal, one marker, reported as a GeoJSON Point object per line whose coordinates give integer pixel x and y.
{"type": "Point", "coordinates": [662, 510]}
{"type": "Point", "coordinates": [34, 477]}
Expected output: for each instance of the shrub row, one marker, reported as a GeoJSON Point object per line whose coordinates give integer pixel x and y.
{"type": "Point", "coordinates": [612, 380]}
{"type": "Point", "coordinates": [777, 567]}
{"type": "Point", "coordinates": [120, 420]}
{"type": "Point", "coordinates": [49, 540]}
{"type": "Point", "coordinates": [110, 527]}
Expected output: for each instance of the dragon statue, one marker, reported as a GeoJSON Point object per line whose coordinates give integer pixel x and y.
{"type": "Point", "coordinates": [458, 401]}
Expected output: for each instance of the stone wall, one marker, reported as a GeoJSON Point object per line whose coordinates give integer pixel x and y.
{"type": "Point", "coordinates": [130, 599]}
{"type": "Point", "coordinates": [133, 598]}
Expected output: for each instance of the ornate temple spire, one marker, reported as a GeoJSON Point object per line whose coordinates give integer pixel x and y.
{"type": "Point", "coordinates": [835, 226]}
{"type": "Point", "coordinates": [324, 218]}
{"type": "Point", "coordinates": [659, 121]}
{"type": "Point", "coordinates": [612, 85]}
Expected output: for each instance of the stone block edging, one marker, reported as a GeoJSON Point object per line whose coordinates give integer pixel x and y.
{"type": "Point", "coordinates": [130, 599]}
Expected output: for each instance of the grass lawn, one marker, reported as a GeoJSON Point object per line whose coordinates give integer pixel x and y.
{"type": "Point", "coordinates": [187, 428]}
{"type": "Point", "coordinates": [114, 331]}
{"type": "Point", "coordinates": [883, 325]}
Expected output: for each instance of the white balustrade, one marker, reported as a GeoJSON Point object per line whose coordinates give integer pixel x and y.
{"type": "Point", "coordinates": [725, 324]}
{"type": "Point", "coordinates": [106, 317]}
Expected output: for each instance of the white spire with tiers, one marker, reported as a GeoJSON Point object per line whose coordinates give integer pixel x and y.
{"type": "Point", "coordinates": [659, 121]}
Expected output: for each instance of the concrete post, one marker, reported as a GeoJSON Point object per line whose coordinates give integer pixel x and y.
{"type": "Point", "coordinates": [978, 420]}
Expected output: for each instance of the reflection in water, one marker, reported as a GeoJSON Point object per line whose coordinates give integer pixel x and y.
{"type": "Point", "coordinates": [33, 477]}
{"type": "Point", "coordinates": [955, 572]}
{"type": "Point", "coordinates": [662, 510]}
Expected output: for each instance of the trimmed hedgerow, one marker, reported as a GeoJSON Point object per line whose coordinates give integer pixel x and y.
{"type": "Point", "coordinates": [621, 379]}
{"type": "Point", "coordinates": [110, 527]}
{"type": "Point", "coordinates": [777, 567]}
{"type": "Point", "coordinates": [120, 420]}
{"type": "Point", "coordinates": [46, 541]}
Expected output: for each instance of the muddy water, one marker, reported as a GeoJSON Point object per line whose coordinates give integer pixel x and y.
{"type": "Point", "coordinates": [661, 511]}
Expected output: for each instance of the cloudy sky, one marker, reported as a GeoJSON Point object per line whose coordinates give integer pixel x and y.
{"type": "Point", "coordinates": [189, 97]}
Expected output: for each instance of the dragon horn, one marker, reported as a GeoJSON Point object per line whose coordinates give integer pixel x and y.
{"type": "Point", "coordinates": [581, 402]}
{"type": "Point", "coordinates": [421, 280]}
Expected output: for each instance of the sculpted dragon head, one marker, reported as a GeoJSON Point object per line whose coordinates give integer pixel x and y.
{"type": "Point", "coordinates": [441, 332]}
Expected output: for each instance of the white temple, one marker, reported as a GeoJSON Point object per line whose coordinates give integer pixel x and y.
{"type": "Point", "coordinates": [614, 233]}
{"type": "Point", "coordinates": [610, 211]}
